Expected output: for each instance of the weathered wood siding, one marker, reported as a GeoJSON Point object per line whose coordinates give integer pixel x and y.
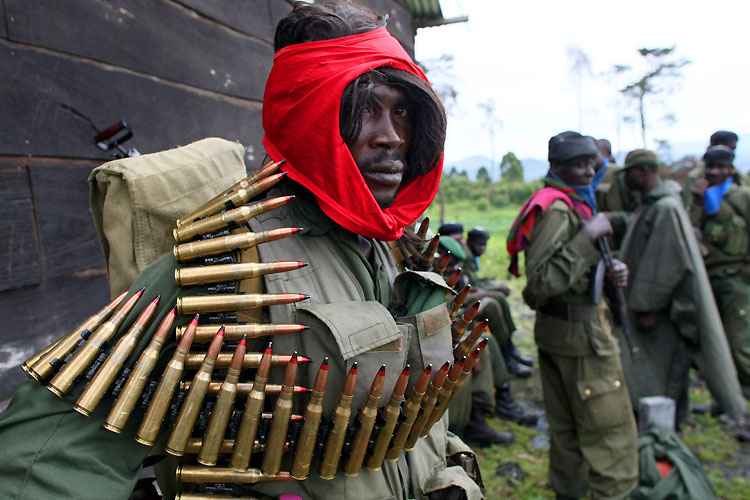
{"type": "Point", "coordinates": [175, 70]}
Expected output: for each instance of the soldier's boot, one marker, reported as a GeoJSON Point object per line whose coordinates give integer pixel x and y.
{"type": "Point", "coordinates": [513, 365]}
{"type": "Point", "coordinates": [507, 408]}
{"type": "Point", "coordinates": [479, 434]}
{"type": "Point", "coordinates": [521, 358]}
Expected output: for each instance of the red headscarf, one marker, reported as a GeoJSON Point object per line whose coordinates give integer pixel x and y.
{"type": "Point", "coordinates": [301, 122]}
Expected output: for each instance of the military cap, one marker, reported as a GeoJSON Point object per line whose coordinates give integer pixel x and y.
{"type": "Point", "coordinates": [568, 145]}
{"type": "Point", "coordinates": [478, 234]}
{"type": "Point", "coordinates": [450, 228]}
{"type": "Point", "coordinates": [721, 155]}
{"type": "Point", "coordinates": [641, 157]}
{"type": "Point", "coordinates": [723, 137]}
{"type": "Point", "coordinates": [453, 247]}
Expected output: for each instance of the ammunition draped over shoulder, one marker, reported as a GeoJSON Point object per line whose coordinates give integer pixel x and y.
{"type": "Point", "coordinates": [337, 435]}
{"type": "Point", "coordinates": [235, 332]}
{"type": "Point", "coordinates": [453, 278]}
{"type": "Point", "coordinates": [428, 403]}
{"type": "Point", "coordinates": [367, 416]}
{"type": "Point", "coordinates": [229, 219]}
{"type": "Point", "coordinates": [390, 418]}
{"type": "Point", "coordinates": [202, 474]}
{"type": "Point", "coordinates": [129, 395]}
{"type": "Point", "coordinates": [106, 374]}
{"type": "Point", "coordinates": [221, 303]}
{"type": "Point", "coordinates": [159, 405]}
{"type": "Point", "coordinates": [191, 407]}
{"type": "Point", "coordinates": [459, 327]}
{"type": "Point", "coordinates": [409, 413]}
{"type": "Point", "coordinates": [240, 241]}
{"type": "Point", "coordinates": [244, 387]}
{"type": "Point", "coordinates": [82, 358]}
{"type": "Point", "coordinates": [226, 446]}
{"type": "Point", "coordinates": [443, 396]}
{"type": "Point", "coordinates": [309, 433]}
{"type": "Point", "coordinates": [232, 198]}
{"type": "Point", "coordinates": [470, 361]}
{"type": "Point", "coordinates": [51, 358]}
{"type": "Point", "coordinates": [251, 416]}
{"type": "Point", "coordinates": [467, 344]}
{"type": "Point", "coordinates": [442, 264]}
{"type": "Point", "coordinates": [222, 410]}
{"type": "Point", "coordinates": [251, 360]}
{"type": "Point", "coordinates": [429, 253]}
{"type": "Point", "coordinates": [280, 424]}
{"type": "Point", "coordinates": [423, 227]}
{"type": "Point", "coordinates": [458, 302]}
{"type": "Point", "coordinates": [187, 276]}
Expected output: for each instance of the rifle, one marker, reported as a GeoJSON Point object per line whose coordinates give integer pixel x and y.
{"type": "Point", "coordinates": [620, 306]}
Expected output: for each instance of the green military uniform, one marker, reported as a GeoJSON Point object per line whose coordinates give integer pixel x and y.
{"type": "Point", "coordinates": [614, 197]}
{"type": "Point", "coordinates": [726, 238]}
{"type": "Point", "coordinates": [50, 451]}
{"type": "Point", "coordinates": [667, 279]}
{"type": "Point", "coordinates": [592, 429]}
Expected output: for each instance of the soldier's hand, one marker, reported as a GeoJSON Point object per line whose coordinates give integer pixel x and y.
{"type": "Point", "coordinates": [618, 275]}
{"type": "Point", "coordinates": [646, 322]}
{"type": "Point", "coordinates": [699, 188]}
{"type": "Point", "coordinates": [596, 227]}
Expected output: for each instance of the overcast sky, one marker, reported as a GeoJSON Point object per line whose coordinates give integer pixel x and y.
{"type": "Point", "coordinates": [516, 53]}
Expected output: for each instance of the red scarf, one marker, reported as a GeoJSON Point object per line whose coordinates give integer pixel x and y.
{"type": "Point", "coordinates": [520, 231]}
{"type": "Point", "coordinates": [301, 124]}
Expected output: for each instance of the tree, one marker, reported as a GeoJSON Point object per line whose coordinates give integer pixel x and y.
{"type": "Point", "coordinates": [483, 174]}
{"type": "Point", "coordinates": [663, 68]}
{"type": "Point", "coordinates": [580, 68]}
{"type": "Point", "coordinates": [511, 168]}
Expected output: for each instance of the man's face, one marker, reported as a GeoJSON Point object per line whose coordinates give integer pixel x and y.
{"type": "Point", "coordinates": [477, 247]}
{"type": "Point", "coordinates": [385, 138]}
{"type": "Point", "coordinates": [633, 178]}
{"type": "Point", "coordinates": [579, 172]}
{"type": "Point", "coordinates": [716, 173]}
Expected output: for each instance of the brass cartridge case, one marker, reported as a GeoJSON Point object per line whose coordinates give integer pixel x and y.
{"type": "Point", "coordinates": [106, 374]}
{"type": "Point", "coordinates": [244, 388]}
{"type": "Point", "coordinates": [336, 437]}
{"type": "Point", "coordinates": [309, 432]}
{"type": "Point", "coordinates": [390, 419]}
{"type": "Point", "coordinates": [188, 276]}
{"type": "Point", "coordinates": [459, 327]}
{"type": "Point", "coordinates": [205, 333]}
{"type": "Point", "coordinates": [280, 424]}
{"type": "Point", "coordinates": [251, 417]}
{"type": "Point", "coordinates": [230, 218]}
{"type": "Point", "coordinates": [458, 302]}
{"type": "Point", "coordinates": [251, 360]}
{"type": "Point", "coordinates": [45, 366]}
{"type": "Point", "coordinates": [239, 241]}
{"type": "Point", "coordinates": [367, 416]}
{"type": "Point", "coordinates": [220, 303]}
{"type": "Point", "coordinates": [428, 403]}
{"type": "Point", "coordinates": [467, 344]}
{"type": "Point", "coordinates": [443, 395]}
{"type": "Point", "coordinates": [410, 412]}
{"type": "Point", "coordinates": [26, 365]}
{"type": "Point", "coordinates": [194, 445]}
{"type": "Point", "coordinates": [201, 474]}
{"type": "Point", "coordinates": [81, 360]}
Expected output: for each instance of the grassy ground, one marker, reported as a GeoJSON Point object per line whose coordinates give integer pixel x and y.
{"type": "Point", "coordinates": [520, 471]}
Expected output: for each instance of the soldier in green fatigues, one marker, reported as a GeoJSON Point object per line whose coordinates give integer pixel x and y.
{"type": "Point", "coordinates": [376, 157]}
{"type": "Point", "coordinates": [721, 211]}
{"type": "Point", "coordinates": [669, 298]}
{"type": "Point", "coordinates": [613, 197]}
{"type": "Point", "coordinates": [592, 429]}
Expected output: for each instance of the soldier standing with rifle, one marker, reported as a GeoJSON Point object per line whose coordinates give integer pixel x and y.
{"type": "Point", "coordinates": [592, 428]}
{"type": "Point", "coordinates": [362, 134]}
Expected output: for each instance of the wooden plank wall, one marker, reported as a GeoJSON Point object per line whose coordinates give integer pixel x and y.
{"type": "Point", "coordinates": [175, 70]}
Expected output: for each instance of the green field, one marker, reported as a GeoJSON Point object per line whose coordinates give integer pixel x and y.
{"type": "Point", "coordinates": [520, 471]}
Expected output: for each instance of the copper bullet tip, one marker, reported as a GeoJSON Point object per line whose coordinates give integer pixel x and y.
{"type": "Point", "coordinates": [324, 364]}
{"type": "Point", "coordinates": [303, 359]}
{"type": "Point", "coordinates": [140, 292]}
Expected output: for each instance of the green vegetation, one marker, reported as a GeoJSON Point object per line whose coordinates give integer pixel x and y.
{"type": "Point", "coordinates": [520, 471]}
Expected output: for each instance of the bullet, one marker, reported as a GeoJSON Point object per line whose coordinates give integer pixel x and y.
{"type": "Point", "coordinates": [453, 278]}
{"type": "Point", "coordinates": [423, 227]}
{"type": "Point", "coordinates": [251, 416]}
{"type": "Point", "coordinates": [467, 344]}
{"type": "Point", "coordinates": [442, 264]}
{"type": "Point", "coordinates": [309, 433]}
{"type": "Point", "coordinates": [188, 276]}
{"type": "Point", "coordinates": [201, 474]}
{"type": "Point", "coordinates": [467, 370]}
{"type": "Point", "coordinates": [459, 327]}
{"type": "Point", "coordinates": [443, 395]}
{"type": "Point", "coordinates": [244, 388]}
{"type": "Point", "coordinates": [409, 415]}
{"type": "Point", "coordinates": [82, 358]}
{"type": "Point", "coordinates": [428, 403]}
{"type": "Point", "coordinates": [459, 301]}
{"type": "Point", "coordinates": [191, 407]}
{"type": "Point", "coordinates": [229, 219]}
{"type": "Point", "coordinates": [280, 424]}
{"type": "Point", "coordinates": [106, 374]}
{"type": "Point", "coordinates": [251, 360]}
{"type": "Point", "coordinates": [129, 395]}
{"type": "Point", "coordinates": [51, 360]}
{"type": "Point", "coordinates": [239, 241]}
{"type": "Point", "coordinates": [227, 201]}
{"type": "Point", "coordinates": [429, 253]}
{"type": "Point", "coordinates": [390, 419]}
{"type": "Point", "coordinates": [250, 330]}
{"type": "Point", "coordinates": [194, 446]}
{"type": "Point", "coordinates": [221, 303]}
{"type": "Point", "coordinates": [159, 405]}
{"type": "Point", "coordinates": [337, 434]}
{"type": "Point", "coordinates": [222, 410]}
{"type": "Point", "coordinates": [367, 416]}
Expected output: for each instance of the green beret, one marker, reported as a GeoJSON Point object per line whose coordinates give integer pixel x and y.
{"type": "Point", "coordinates": [453, 247]}
{"type": "Point", "coordinates": [721, 155]}
{"type": "Point", "coordinates": [568, 145]}
{"type": "Point", "coordinates": [641, 157]}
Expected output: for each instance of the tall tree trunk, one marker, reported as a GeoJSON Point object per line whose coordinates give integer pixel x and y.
{"type": "Point", "coordinates": [643, 120]}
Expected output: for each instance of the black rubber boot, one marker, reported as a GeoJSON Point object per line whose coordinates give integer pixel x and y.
{"type": "Point", "coordinates": [479, 434]}
{"type": "Point", "coordinates": [521, 358]}
{"type": "Point", "coordinates": [513, 365]}
{"type": "Point", "coordinates": [507, 408]}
